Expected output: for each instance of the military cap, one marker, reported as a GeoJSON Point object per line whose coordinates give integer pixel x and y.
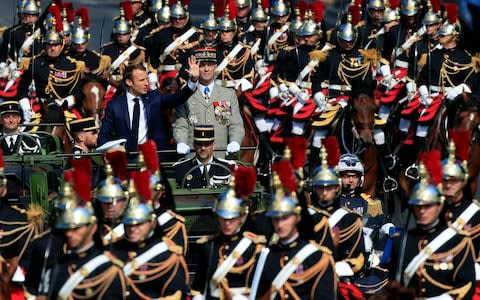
{"type": "Point", "coordinates": [203, 133]}
{"type": "Point", "coordinates": [11, 107]}
{"type": "Point", "coordinates": [206, 54]}
{"type": "Point", "coordinates": [83, 125]}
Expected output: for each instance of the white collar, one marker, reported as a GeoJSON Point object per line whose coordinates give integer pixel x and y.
{"type": "Point", "coordinates": [200, 163]}
{"type": "Point", "coordinates": [130, 96]}
{"type": "Point", "coordinates": [202, 87]}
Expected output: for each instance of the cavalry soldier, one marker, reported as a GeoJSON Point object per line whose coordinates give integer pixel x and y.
{"type": "Point", "coordinates": [346, 225]}
{"type": "Point", "coordinates": [211, 170]}
{"type": "Point", "coordinates": [371, 25]}
{"type": "Point", "coordinates": [437, 261]}
{"type": "Point", "coordinates": [85, 134]}
{"type": "Point", "coordinates": [256, 38]}
{"type": "Point", "coordinates": [142, 23]}
{"type": "Point", "coordinates": [154, 266]}
{"type": "Point", "coordinates": [57, 77]}
{"type": "Point", "coordinates": [457, 201]}
{"type": "Point", "coordinates": [85, 271]}
{"type": "Point", "coordinates": [209, 28]}
{"type": "Point", "coordinates": [121, 50]}
{"type": "Point", "coordinates": [12, 140]}
{"type": "Point", "coordinates": [234, 59]}
{"type": "Point", "coordinates": [68, 18]}
{"type": "Point", "coordinates": [278, 36]}
{"type": "Point", "coordinates": [95, 64]}
{"type": "Point", "coordinates": [294, 267]}
{"type": "Point", "coordinates": [167, 48]}
{"type": "Point", "coordinates": [243, 8]}
{"type": "Point", "coordinates": [228, 259]}
{"type": "Point", "coordinates": [17, 41]}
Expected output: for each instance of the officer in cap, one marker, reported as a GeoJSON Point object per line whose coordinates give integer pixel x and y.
{"type": "Point", "coordinates": [457, 194]}
{"type": "Point", "coordinates": [155, 266]}
{"type": "Point", "coordinates": [13, 40]}
{"type": "Point", "coordinates": [203, 169]}
{"type": "Point", "coordinates": [216, 276]}
{"type": "Point", "coordinates": [437, 262]}
{"type": "Point", "coordinates": [294, 267]}
{"type": "Point", "coordinates": [85, 134]}
{"type": "Point", "coordinates": [57, 77]}
{"type": "Point", "coordinates": [121, 45]}
{"type": "Point", "coordinates": [68, 278]}
{"type": "Point", "coordinates": [12, 142]}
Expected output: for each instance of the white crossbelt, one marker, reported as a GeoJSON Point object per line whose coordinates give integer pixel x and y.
{"type": "Point", "coordinates": [178, 41]}
{"type": "Point", "coordinates": [255, 47]}
{"type": "Point", "coordinates": [169, 68]}
{"type": "Point", "coordinates": [290, 267]}
{"type": "Point", "coordinates": [401, 64]}
{"type": "Point", "coordinates": [229, 262]}
{"type": "Point", "coordinates": [335, 87]}
{"type": "Point", "coordinates": [140, 260]}
{"type": "Point", "coordinates": [122, 57]}
{"type": "Point", "coordinates": [337, 216]}
{"type": "Point", "coordinates": [119, 231]}
{"type": "Point", "coordinates": [409, 42]}
{"type": "Point", "coordinates": [164, 218]}
{"type": "Point", "coordinates": [312, 64]}
{"type": "Point", "coordinates": [226, 83]}
{"type": "Point", "coordinates": [277, 34]}
{"type": "Point", "coordinates": [226, 60]}
{"type": "Point", "coordinates": [439, 241]}
{"type": "Point", "coordinates": [80, 275]}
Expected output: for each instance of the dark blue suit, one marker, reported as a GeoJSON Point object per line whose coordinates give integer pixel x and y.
{"type": "Point", "coordinates": [116, 123]}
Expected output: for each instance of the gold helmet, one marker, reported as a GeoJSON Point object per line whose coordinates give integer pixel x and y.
{"type": "Point", "coordinates": [179, 11]}
{"type": "Point", "coordinates": [67, 18]}
{"type": "Point", "coordinates": [111, 189]}
{"type": "Point", "coordinates": [390, 15]}
{"type": "Point", "coordinates": [162, 15]}
{"type": "Point", "coordinates": [210, 22]}
{"type": "Point", "coordinates": [29, 7]}
{"type": "Point", "coordinates": [156, 5]}
{"type": "Point", "coordinates": [375, 4]}
{"type": "Point", "coordinates": [229, 206]}
{"type": "Point", "coordinates": [297, 23]}
{"type": "Point", "coordinates": [425, 193]}
{"type": "Point", "coordinates": [139, 209]}
{"type": "Point", "coordinates": [258, 14]}
{"type": "Point", "coordinates": [325, 175]}
{"type": "Point", "coordinates": [309, 27]}
{"type": "Point", "coordinates": [451, 167]}
{"type": "Point", "coordinates": [225, 23]}
{"type": "Point", "coordinates": [54, 35]}
{"type": "Point", "coordinates": [123, 24]}
{"type": "Point", "coordinates": [75, 215]}
{"type": "Point", "coordinates": [347, 30]}
{"type": "Point", "coordinates": [80, 31]}
{"type": "Point", "coordinates": [280, 9]}
{"type": "Point", "coordinates": [451, 25]}
{"type": "Point", "coordinates": [409, 7]}
{"type": "Point", "coordinates": [242, 3]}
{"type": "Point", "coordinates": [282, 204]}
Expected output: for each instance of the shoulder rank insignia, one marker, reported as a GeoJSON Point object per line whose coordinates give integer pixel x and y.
{"type": "Point", "coordinates": [257, 239]}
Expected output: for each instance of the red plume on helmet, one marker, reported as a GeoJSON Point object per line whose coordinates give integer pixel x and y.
{"type": "Point", "coordinates": [302, 7]}
{"type": "Point", "coordinates": [118, 161]}
{"type": "Point", "coordinates": [461, 139]}
{"type": "Point", "coordinates": [435, 5]}
{"type": "Point", "coordinates": [298, 148]}
{"type": "Point", "coordinates": [245, 179]}
{"type": "Point", "coordinates": [318, 10]}
{"type": "Point", "coordinates": [68, 176]}
{"type": "Point", "coordinates": [82, 14]}
{"type": "Point", "coordinates": [285, 171]}
{"type": "Point", "coordinates": [141, 180]}
{"type": "Point", "coordinates": [82, 178]}
{"type": "Point", "coordinates": [452, 12]}
{"type": "Point", "coordinates": [333, 150]}
{"type": "Point", "coordinates": [354, 11]}
{"type": "Point", "coordinates": [150, 156]}
{"type": "Point", "coordinates": [394, 4]}
{"type": "Point", "coordinates": [55, 12]}
{"type": "Point", "coordinates": [127, 10]}
{"type": "Point", "coordinates": [265, 4]}
{"type": "Point", "coordinates": [68, 8]}
{"type": "Point", "coordinates": [57, 3]}
{"type": "Point", "coordinates": [432, 162]}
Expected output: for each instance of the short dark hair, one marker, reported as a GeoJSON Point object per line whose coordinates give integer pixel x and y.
{"type": "Point", "coordinates": [128, 74]}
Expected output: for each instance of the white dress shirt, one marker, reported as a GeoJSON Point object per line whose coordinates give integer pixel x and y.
{"type": "Point", "coordinates": [202, 165]}
{"type": "Point", "coordinates": [142, 124]}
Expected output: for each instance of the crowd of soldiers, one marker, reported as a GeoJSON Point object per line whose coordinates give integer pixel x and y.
{"type": "Point", "coordinates": [319, 237]}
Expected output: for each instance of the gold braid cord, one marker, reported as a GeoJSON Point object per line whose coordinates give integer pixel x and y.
{"type": "Point", "coordinates": [236, 64]}
{"type": "Point", "coordinates": [450, 67]}
{"type": "Point", "coordinates": [316, 271]}
{"type": "Point", "coordinates": [71, 80]}
{"type": "Point", "coordinates": [103, 65]}
{"type": "Point", "coordinates": [31, 228]}
{"type": "Point", "coordinates": [178, 228]}
{"type": "Point", "coordinates": [96, 287]}
{"type": "Point", "coordinates": [157, 270]}
{"type": "Point", "coordinates": [352, 68]}
{"type": "Point", "coordinates": [322, 227]}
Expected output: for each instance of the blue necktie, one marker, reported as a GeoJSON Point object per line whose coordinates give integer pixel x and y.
{"type": "Point", "coordinates": [206, 93]}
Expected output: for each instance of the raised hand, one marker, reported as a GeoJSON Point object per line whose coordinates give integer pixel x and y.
{"type": "Point", "coordinates": [193, 68]}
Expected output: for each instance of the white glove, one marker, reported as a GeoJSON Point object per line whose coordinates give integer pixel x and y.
{"type": "Point", "coordinates": [27, 109]}
{"type": "Point", "coordinates": [183, 148]}
{"type": "Point", "coordinates": [451, 93]}
{"type": "Point", "coordinates": [153, 80]}
{"type": "Point", "coordinates": [69, 100]}
{"type": "Point", "coordinates": [243, 85]}
{"type": "Point", "coordinates": [320, 101]}
{"type": "Point", "coordinates": [425, 98]}
{"type": "Point", "coordinates": [273, 92]}
{"type": "Point", "coordinates": [441, 297]}
{"type": "Point", "coordinates": [233, 147]}
{"type": "Point", "coordinates": [198, 297]}
{"type": "Point", "coordinates": [239, 297]}
{"type": "Point", "coordinates": [343, 269]}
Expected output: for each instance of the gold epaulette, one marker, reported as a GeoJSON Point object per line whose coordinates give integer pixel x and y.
{"type": "Point", "coordinates": [174, 248]}
{"type": "Point", "coordinates": [323, 248]}
{"type": "Point", "coordinates": [423, 60]}
{"type": "Point", "coordinates": [80, 64]}
{"type": "Point", "coordinates": [370, 55]}
{"type": "Point", "coordinates": [321, 56]}
{"type": "Point", "coordinates": [176, 216]}
{"type": "Point", "coordinates": [476, 62]}
{"type": "Point", "coordinates": [25, 63]}
{"type": "Point", "coordinates": [206, 238]}
{"type": "Point", "coordinates": [257, 239]}
{"type": "Point", "coordinates": [139, 47]}
{"type": "Point", "coordinates": [104, 64]}
{"type": "Point", "coordinates": [329, 35]}
{"type": "Point", "coordinates": [374, 206]}
{"type": "Point", "coordinates": [288, 48]}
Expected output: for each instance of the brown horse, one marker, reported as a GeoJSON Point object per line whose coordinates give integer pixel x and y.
{"type": "Point", "coordinates": [93, 101]}
{"type": "Point", "coordinates": [250, 140]}
{"type": "Point", "coordinates": [356, 136]}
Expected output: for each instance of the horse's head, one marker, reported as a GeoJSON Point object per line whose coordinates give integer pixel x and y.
{"type": "Point", "coordinates": [93, 101]}
{"type": "Point", "coordinates": [363, 117]}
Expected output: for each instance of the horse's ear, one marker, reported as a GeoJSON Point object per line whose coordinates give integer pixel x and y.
{"type": "Point", "coordinates": [366, 86]}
